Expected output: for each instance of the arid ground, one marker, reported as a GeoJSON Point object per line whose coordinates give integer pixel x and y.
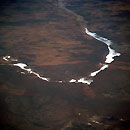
{"type": "Point", "coordinates": [49, 36]}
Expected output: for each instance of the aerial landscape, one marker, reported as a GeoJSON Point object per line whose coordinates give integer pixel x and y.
{"type": "Point", "coordinates": [64, 65]}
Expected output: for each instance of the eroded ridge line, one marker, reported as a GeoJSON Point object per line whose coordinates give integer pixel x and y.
{"type": "Point", "coordinates": [85, 80]}
{"type": "Point", "coordinates": [109, 58]}
{"type": "Point", "coordinates": [112, 53]}
{"type": "Point", "coordinates": [24, 67]}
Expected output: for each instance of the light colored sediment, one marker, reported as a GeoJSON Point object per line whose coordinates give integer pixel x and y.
{"type": "Point", "coordinates": [109, 58]}
{"type": "Point", "coordinates": [23, 67]}
{"type": "Point", "coordinates": [96, 72]}
{"type": "Point", "coordinates": [112, 53]}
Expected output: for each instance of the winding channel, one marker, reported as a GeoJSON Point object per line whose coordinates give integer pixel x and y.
{"type": "Point", "coordinates": [85, 80]}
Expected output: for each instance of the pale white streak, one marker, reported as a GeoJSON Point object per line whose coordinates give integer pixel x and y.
{"type": "Point", "coordinates": [82, 80]}
{"type": "Point", "coordinates": [43, 78]}
{"type": "Point", "coordinates": [112, 53]}
{"type": "Point", "coordinates": [109, 58]}
{"type": "Point", "coordinates": [85, 81]}
{"type": "Point", "coordinates": [89, 123]}
{"type": "Point", "coordinates": [60, 81]}
{"type": "Point", "coordinates": [96, 122]}
{"type": "Point", "coordinates": [23, 67]}
{"type": "Point", "coordinates": [96, 72]}
{"type": "Point", "coordinates": [102, 39]}
{"type": "Point", "coordinates": [72, 81]}
{"type": "Point", "coordinates": [6, 58]}
{"type": "Point", "coordinates": [22, 72]}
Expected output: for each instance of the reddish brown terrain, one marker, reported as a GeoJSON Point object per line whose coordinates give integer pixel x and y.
{"type": "Point", "coordinates": [49, 36]}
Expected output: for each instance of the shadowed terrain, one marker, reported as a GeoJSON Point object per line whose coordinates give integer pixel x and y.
{"type": "Point", "coordinates": [49, 36]}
